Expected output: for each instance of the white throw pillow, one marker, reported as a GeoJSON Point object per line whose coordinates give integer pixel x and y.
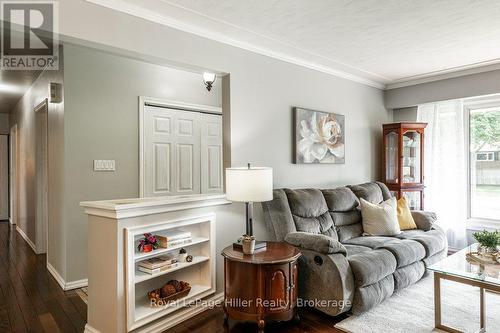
{"type": "Point", "coordinates": [380, 220]}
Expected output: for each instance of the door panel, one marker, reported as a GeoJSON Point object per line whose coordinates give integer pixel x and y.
{"type": "Point", "coordinates": [185, 160]}
{"type": "Point", "coordinates": [171, 152]}
{"type": "Point", "coordinates": [162, 162]}
{"type": "Point", "coordinates": [277, 288]}
{"type": "Point", "coordinates": [211, 154]}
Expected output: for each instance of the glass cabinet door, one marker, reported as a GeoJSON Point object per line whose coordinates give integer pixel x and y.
{"type": "Point", "coordinates": [414, 199]}
{"type": "Point", "coordinates": [391, 157]}
{"type": "Point", "coordinates": [412, 146]}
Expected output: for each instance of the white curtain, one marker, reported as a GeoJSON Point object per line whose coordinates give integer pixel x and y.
{"type": "Point", "coordinates": [445, 171]}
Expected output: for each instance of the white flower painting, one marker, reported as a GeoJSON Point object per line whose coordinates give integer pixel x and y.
{"type": "Point", "coordinates": [319, 137]}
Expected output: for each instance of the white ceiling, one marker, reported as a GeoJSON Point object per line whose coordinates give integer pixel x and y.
{"type": "Point", "coordinates": [384, 43]}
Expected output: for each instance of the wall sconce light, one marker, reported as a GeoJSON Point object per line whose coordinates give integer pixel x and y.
{"type": "Point", "coordinates": [209, 79]}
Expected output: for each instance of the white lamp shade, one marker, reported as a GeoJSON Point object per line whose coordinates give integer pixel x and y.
{"type": "Point", "coordinates": [249, 185]}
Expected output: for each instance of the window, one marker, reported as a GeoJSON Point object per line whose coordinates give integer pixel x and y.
{"type": "Point", "coordinates": [484, 164]}
{"type": "Point", "coordinates": [485, 157]}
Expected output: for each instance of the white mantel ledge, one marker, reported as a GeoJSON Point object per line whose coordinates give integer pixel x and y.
{"type": "Point", "coordinates": [125, 208]}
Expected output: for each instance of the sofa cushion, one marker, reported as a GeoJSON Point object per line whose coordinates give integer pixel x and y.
{"type": "Point", "coordinates": [355, 249]}
{"type": "Point", "coordinates": [372, 241]}
{"type": "Point", "coordinates": [306, 202]}
{"type": "Point", "coordinates": [408, 275]}
{"type": "Point", "coordinates": [347, 232]}
{"type": "Point", "coordinates": [429, 261]}
{"type": "Point", "coordinates": [340, 199]}
{"type": "Point", "coordinates": [374, 192]}
{"type": "Point", "coordinates": [405, 251]}
{"type": "Point", "coordinates": [310, 212]}
{"type": "Point", "coordinates": [342, 204]}
{"type": "Point", "coordinates": [380, 219]}
{"type": "Point", "coordinates": [434, 241]}
{"type": "Point", "coordinates": [371, 266]}
{"type": "Point", "coordinates": [367, 297]}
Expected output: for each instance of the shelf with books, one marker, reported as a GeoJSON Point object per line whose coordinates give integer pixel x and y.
{"type": "Point", "coordinates": [142, 276]}
{"type": "Point", "coordinates": [199, 273]}
{"type": "Point", "coordinates": [160, 251]}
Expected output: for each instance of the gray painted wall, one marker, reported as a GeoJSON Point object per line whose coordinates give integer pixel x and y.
{"type": "Point", "coordinates": [262, 92]}
{"type": "Point", "coordinates": [102, 122]}
{"type": "Point", "coordinates": [404, 114]}
{"type": "Point", "coordinates": [4, 123]}
{"type": "Point", "coordinates": [460, 87]}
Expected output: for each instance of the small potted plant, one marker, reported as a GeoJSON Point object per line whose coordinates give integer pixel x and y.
{"type": "Point", "coordinates": [488, 241]}
{"type": "Point", "coordinates": [148, 243]}
{"type": "Point", "coordinates": [248, 243]}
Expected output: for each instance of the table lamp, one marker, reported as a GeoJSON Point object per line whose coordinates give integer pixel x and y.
{"type": "Point", "coordinates": [249, 185]}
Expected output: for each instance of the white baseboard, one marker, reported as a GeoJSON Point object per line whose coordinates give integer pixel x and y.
{"type": "Point", "coordinates": [167, 322]}
{"type": "Point", "coordinates": [62, 283]}
{"type": "Point", "coordinates": [26, 238]}
{"type": "Point", "coordinates": [76, 284]}
{"type": "Point", "coordinates": [90, 329]}
{"type": "Point", "coordinates": [11, 221]}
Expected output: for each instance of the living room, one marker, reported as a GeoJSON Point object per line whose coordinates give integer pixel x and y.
{"type": "Point", "coordinates": [324, 166]}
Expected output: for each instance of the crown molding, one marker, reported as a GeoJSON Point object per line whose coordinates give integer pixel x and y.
{"type": "Point", "coordinates": [481, 67]}
{"type": "Point", "coordinates": [179, 18]}
{"type": "Point", "coordinates": [178, 24]}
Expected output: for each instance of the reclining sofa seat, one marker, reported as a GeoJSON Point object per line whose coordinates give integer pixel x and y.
{"type": "Point", "coordinates": [340, 269]}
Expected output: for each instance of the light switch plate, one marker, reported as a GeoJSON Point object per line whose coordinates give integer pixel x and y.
{"type": "Point", "coordinates": [104, 165]}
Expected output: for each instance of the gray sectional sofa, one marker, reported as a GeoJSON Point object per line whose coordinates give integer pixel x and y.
{"type": "Point", "coordinates": [340, 269]}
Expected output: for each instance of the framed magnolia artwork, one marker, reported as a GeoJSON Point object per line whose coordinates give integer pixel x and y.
{"type": "Point", "coordinates": [319, 137]}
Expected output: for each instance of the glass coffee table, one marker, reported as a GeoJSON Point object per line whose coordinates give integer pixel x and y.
{"type": "Point", "coordinates": [458, 268]}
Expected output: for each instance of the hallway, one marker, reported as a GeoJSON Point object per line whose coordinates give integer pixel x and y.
{"type": "Point", "coordinates": [30, 299]}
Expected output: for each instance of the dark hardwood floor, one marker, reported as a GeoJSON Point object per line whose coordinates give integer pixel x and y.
{"type": "Point", "coordinates": [32, 301]}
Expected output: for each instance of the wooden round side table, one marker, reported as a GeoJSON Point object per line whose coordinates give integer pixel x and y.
{"type": "Point", "coordinates": [262, 286]}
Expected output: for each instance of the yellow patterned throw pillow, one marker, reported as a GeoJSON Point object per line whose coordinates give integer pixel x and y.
{"type": "Point", "coordinates": [406, 221]}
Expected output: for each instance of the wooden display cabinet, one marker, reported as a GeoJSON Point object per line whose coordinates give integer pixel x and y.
{"type": "Point", "coordinates": [403, 161]}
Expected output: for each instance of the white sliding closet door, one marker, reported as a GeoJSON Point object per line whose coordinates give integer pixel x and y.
{"type": "Point", "coordinates": [171, 152]}
{"type": "Point", "coordinates": [211, 153]}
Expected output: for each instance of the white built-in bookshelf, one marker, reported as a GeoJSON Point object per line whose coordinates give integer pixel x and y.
{"type": "Point", "coordinates": [200, 273]}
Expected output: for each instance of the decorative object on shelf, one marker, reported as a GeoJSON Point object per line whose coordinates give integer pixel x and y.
{"type": "Point", "coordinates": [248, 243]}
{"type": "Point", "coordinates": [189, 258]}
{"type": "Point", "coordinates": [182, 255]}
{"type": "Point", "coordinates": [174, 238]}
{"type": "Point", "coordinates": [403, 161]}
{"type": "Point", "coordinates": [319, 137]}
{"type": "Point", "coordinates": [148, 243]}
{"type": "Point", "coordinates": [177, 285]}
{"type": "Point", "coordinates": [483, 258]}
{"type": "Point", "coordinates": [488, 241]}
{"type": "Point", "coordinates": [157, 264]}
{"type": "Point", "coordinates": [209, 79]}
{"type": "Point", "coordinates": [171, 291]}
{"type": "Point", "coordinates": [249, 185]}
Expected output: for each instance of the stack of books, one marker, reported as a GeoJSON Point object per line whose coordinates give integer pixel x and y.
{"type": "Point", "coordinates": [173, 238]}
{"type": "Point", "coordinates": [157, 264]}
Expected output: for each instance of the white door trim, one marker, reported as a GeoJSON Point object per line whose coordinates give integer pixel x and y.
{"type": "Point", "coordinates": [13, 167]}
{"type": "Point", "coordinates": [152, 101]}
{"type": "Point", "coordinates": [42, 109]}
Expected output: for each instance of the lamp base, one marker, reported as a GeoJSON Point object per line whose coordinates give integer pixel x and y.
{"type": "Point", "coordinates": [259, 246]}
